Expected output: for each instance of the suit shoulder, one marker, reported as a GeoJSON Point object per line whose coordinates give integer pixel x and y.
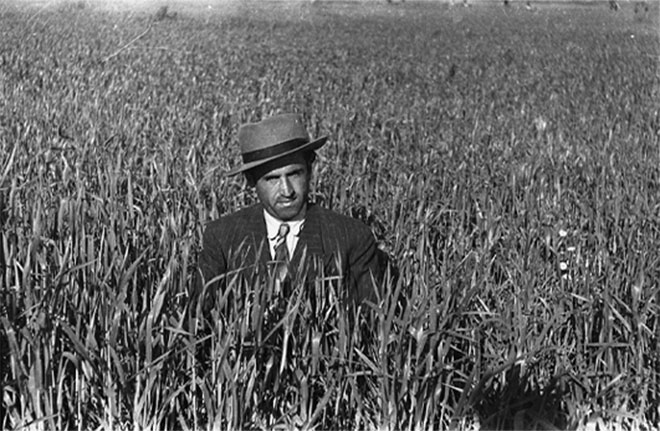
{"type": "Point", "coordinates": [232, 220]}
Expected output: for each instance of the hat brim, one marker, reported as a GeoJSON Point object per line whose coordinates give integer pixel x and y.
{"type": "Point", "coordinates": [310, 146]}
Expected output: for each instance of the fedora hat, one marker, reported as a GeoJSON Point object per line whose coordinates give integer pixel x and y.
{"type": "Point", "coordinates": [272, 138]}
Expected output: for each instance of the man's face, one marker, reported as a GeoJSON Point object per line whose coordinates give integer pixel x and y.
{"type": "Point", "coordinates": [282, 187]}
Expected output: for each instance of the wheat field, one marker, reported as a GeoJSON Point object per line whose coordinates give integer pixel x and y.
{"type": "Point", "coordinates": [508, 161]}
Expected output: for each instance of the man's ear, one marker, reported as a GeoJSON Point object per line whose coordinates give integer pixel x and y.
{"type": "Point", "coordinates": [310, 160]}
{"type": "Point", "coordinates": [250, 179]}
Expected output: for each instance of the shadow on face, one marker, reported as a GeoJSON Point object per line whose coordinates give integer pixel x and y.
{"type": "Point", "coordinates": [254, 174]}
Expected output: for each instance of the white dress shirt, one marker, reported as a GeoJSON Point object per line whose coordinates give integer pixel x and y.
{"type": "Point", "coordinates": [273, 227]}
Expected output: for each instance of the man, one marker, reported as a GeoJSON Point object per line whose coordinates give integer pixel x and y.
{"type": "Point", "coordinates": [284, 234]}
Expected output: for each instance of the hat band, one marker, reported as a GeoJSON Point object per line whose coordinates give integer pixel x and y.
{"type": "Point", "coordinates": [275, 150]}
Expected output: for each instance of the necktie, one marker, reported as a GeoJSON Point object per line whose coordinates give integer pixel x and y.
{"type": "Point", "coordinates": [281, 252]}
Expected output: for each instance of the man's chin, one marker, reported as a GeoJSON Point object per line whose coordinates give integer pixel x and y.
{"type": "Point", "coordinates": [288, 213]}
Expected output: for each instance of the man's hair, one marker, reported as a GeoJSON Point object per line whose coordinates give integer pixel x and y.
{"type": "Point", "coordinates": [253, 175]}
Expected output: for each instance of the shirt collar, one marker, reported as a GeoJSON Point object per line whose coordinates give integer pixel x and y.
{"type": "Point", "coordinates": [273, 225]}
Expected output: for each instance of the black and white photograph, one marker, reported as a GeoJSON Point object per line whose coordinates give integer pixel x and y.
{"type": "Point", "coordinates": [330, 215]}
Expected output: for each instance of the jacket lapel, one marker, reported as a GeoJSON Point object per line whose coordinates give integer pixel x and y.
{"type": "Point", "coordinates": [310, 241]}
{"type": "Point", "coordinates": [254, 230]}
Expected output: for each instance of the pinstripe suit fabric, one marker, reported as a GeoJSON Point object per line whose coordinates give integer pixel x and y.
{"type": "Point", "coordinates": [237, 242]}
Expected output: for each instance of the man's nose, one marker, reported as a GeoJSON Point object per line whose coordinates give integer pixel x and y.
{"type": "Point", "coordinates": [285, 187]}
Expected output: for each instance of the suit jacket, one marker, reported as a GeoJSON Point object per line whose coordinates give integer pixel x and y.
{"type": "Point", "coordinates": [343, 245]}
